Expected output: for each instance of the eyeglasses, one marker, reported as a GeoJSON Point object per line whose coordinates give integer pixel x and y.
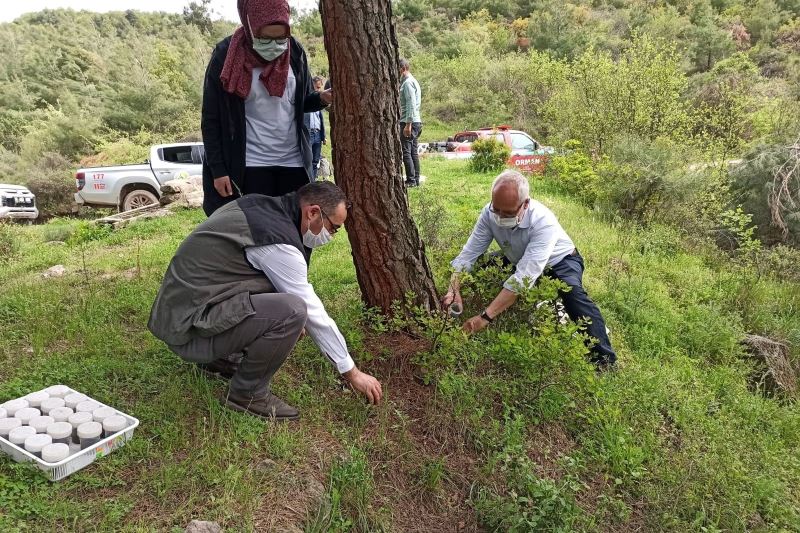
{"type": "Point", "coordinates": [334, 227]}
{"type": "Point", "coordinates": [509, 215]}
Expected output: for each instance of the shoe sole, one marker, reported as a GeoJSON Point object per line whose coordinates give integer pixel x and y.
{"type": "Point", "coordinates": [236, 407]}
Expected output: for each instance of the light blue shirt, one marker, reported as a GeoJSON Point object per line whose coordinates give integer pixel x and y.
{"type": "Point", "coordinates": [536, 242]}
{"type": "Point", "coordinates": [410, 100]}
{"type": "Point", "coordinates": [313, 121]}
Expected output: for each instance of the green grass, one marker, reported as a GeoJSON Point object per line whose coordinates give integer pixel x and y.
{"type": "Point", "coordinates": [676, 440]}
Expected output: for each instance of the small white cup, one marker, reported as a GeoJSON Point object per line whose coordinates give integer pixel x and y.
{"type": "Point", "coordinates": [53, 453]}
{"type": "Point", "coordinates": [7, 424]}
{"type": "Point", "coordinates": [58, 391]}
{"type": "Point", "coordinates": [35, 443]}
{"type": "Point", "coordinates": [12, 406]}
{"type": "Point", "coordinates": [40, 423]}
{"type": "Point", "coordinates": [73, 399]}
{"type": "Point", "coordinates": [114, 424]}
{"type": "Point", "coordinates": [26, 414]}
{"type": "Point", "coordinates": [19, 434]}
{"type": "Point", "coordinates": [50, 404]}
{"type": "Point", "coordinates": [35, 399]}
{"type": "Point", "coordinates": [60, 432]}
{"type": "Point", "coordinates": [89, 434]}
{"type": "Point", "coordinates": [60, 414]}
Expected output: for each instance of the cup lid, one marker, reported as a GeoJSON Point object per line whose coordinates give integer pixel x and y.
{"type": "Point", "coordinates": [8, 424]}
{"type": "Point", "coordinates": [76, 397]}
{"type": "Point", "coordinates": [35, 443]}
{"type": "Point", "coordinates": [37, 397]}
{"type": "Point", "coordinates": [115, 423]}
{"type": "Point", "coordinates": [40, 423]}
{"type": "Point", "coordinates": [27, 413]}
{"type": "Point", "coordinates": [87, 405]}
{"type": "Point", "coordinates": [59, 430]}
{"type": "Point", "coordinates": [76, 419]}
{"type": "Point", "coordinates": [89, 430]}
{"type": "Point", "coordinates": [12, 406]}
{"type": "Point", "coordinates": [102, 413]}
{"type": "Point", "coordinates": [53, 453]}
{"type": "Point", "coordinates": [57, 391]}
{"type": "Point", "coordinates": [61, 414]}
{"type": "Point", "coordinates": [20, 433]}
{"type": "Point", "coordinates": [53, 402]}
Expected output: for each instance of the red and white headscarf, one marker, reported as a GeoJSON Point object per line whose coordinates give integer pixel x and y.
{"type": "Point", "coordinates": [237, 72]}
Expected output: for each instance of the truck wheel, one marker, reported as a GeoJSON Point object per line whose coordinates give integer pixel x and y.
{"type": "Point", "coordinates": [138, 198]}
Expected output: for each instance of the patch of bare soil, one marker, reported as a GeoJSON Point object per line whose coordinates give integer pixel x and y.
{"type": "Point", "coordinates": [424, 468]}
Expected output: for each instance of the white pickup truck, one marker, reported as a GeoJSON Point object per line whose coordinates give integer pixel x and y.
{"type": "Point", "coordinates": [17, 202]}
{"type": "Point", "coordinates": [133, 186]}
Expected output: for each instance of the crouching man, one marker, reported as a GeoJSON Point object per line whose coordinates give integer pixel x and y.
{"type": "Point", "coordinates": [239, 283]}
{"type": "Point", "coordinates": [531, 238]}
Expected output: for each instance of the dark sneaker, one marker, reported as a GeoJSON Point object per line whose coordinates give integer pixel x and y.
{"type": "Point", "coordinates": [219, 369]}
{"type": "Point", "coordinates": [269, 407]}
{"type": "Point", "coordinates": [411, 183]}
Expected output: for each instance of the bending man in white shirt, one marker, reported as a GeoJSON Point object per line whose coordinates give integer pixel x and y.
{"type": "Point", "coordinates": [531, 239]}
{"type": "Point", "coordinates": [239, 283]}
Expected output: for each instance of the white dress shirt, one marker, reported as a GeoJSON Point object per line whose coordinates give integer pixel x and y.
{"type": "Point", "coordinates": [286, 268]}
{"type": "Point", "coordinates": [536, 242]}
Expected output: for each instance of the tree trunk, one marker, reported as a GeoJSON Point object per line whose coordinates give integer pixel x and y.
{"type": "Point", "coordinates": [362, 51]}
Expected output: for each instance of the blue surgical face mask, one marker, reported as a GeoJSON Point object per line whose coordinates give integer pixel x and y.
{"type": "Point", "coordinates": [269, 49]}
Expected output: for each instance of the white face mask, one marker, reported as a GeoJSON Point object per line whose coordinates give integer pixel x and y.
{"type": "Point", "coordinates": [505, 222]}
{"type": "Point", "coordinates": [269, 49]}
{"type": "Point", "coordinates": [315, 241]}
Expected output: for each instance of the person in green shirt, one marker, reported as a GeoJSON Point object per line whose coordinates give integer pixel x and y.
{"type": "Point", "coordinates": [410, 122]}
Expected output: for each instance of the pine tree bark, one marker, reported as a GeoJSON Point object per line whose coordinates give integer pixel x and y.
{"type": "Point", "coordinates": [387, 250]}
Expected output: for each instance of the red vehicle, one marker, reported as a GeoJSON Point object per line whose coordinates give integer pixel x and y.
{"type": "Point", "coordinates": [527, 155]}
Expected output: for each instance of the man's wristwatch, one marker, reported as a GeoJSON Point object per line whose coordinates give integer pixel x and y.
{"type": "Point", "coordinates": [484, 315]}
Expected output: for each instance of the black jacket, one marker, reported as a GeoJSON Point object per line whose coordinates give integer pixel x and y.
{"type": "Point", "coordinates": [223, 124]}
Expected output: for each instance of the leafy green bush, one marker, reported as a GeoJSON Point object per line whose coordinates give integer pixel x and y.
{"type": "Point", "coordinates": [530, 503]}
{"type": "Point", "coordinates": [575, 173]}
{"type": "Point", "coordinates": [88, 232]}
{"type": "Point", "coordinates": [489, 155]}
{"type": "Point", "coordinates": [51, 180]}
{"type": "Point", "coordinates": [647, 180]}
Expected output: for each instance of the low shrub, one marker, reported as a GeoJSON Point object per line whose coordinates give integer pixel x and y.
{"type": "Point", "coordinates": [489, 155]}
{"type": "Point", "coordinates": [575, 173]}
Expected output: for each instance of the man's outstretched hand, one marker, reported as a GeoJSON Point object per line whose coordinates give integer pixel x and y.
{"type": "Point", "coordinates": [365, 384]}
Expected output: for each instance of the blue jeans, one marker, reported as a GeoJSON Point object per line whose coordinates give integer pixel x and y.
{"type": "Point", "coordinates": [410, 155]}
{"type": "Point", "coordinates": [315, 138]}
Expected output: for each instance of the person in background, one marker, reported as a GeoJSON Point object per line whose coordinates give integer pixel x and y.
{"type": "Point", "coordinates": [531, 238]}
{"type": "Point", "coordinates": [315, 125]}
{"type": "Point", "coordinates": [410, 122]}
{"type": "Point", "coordinates": [256, 92]}
{"type": "Point", "coordinates": [239, 283]}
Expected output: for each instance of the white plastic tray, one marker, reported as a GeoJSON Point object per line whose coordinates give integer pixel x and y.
{"type": "Point", "coordinates": [80, 458]}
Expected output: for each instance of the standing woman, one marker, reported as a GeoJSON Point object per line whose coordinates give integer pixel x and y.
{"type": "Point", "coordinates": [257, 89]}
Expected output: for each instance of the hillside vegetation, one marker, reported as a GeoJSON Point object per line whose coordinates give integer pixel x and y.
{"type": "Point", "coordinates": [513, 431]}
{"type": "Point", "coordinates": [679, 82]}
{"type": "Point", "coordinates": [677, 175]}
